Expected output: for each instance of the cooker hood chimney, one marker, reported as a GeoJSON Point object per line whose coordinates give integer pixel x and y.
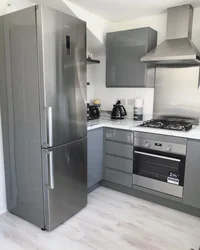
{"type": "Point", "coordinates": [178, 48]}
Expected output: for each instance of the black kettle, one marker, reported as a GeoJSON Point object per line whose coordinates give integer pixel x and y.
{"type": "Point", "coordinates": [118, 111]}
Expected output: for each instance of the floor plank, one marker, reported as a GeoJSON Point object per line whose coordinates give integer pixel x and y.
{"type": "Point", "coordinates": [111, 220]}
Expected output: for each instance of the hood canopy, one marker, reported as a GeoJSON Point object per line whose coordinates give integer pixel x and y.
{"type": "Point", "coordinates": [178, 48]}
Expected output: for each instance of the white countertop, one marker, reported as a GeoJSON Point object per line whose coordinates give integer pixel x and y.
{"type": "Point", "coordinates": [129, 124]}
{"type": "Point", "coordinates": [107, 122]}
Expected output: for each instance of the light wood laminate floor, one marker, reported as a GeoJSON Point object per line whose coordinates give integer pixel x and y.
{"type": "Point", "coordinates": [111, 221]}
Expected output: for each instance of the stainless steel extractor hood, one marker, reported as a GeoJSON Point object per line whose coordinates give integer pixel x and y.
{"type": "Point", "coordinates": [178, 48]}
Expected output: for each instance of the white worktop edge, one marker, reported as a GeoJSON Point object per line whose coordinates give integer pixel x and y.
{"type": "Point", "coordinates": [133, 126]}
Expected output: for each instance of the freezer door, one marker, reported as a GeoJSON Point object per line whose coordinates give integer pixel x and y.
{"type": "Point", "coordinates": [63, 80]}
{"type": "Point", "coordinates": [65, 173]}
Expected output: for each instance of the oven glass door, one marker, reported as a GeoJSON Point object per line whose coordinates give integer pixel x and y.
{"type": "Point", "coordinates": [159, 166]}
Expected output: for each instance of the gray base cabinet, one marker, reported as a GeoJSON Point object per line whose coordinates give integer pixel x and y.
{"type": "Point", "coordinates": [118, 177]}
{"type": "Point", "coordinates": [95, 156]}
{"type": "Point", "coordinates": [191, 192]}
{"type": "Point", "coordinates": [118, 158]}
{"type": "Point", "coordinates": [124, 50]}
{"type": "Point", "coordinates": [110, 157]}
{"type": "Point", "coordinates": [119, 164]}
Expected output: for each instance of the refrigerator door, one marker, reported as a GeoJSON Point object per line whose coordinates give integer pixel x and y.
{"type": "Point", "coordinates": [65, 174]}
{"type": "Point", "coordinates": [63, 83]}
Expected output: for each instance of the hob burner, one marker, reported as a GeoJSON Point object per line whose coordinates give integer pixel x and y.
{"type": "Point", "coordinates": [178, 125]}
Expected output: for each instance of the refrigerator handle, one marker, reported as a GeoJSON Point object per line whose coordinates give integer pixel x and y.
{"type": "Point", "coordinates": [49, 127]}
{"type": "Point", "coordinates": [50, 171]}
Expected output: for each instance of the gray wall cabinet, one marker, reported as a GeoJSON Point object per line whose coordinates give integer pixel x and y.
{"type": "Point", "coordinates": [191, 191]}
{"type": "Point", "coordinates": [118, 158]}
{"type": "Point", "coordinates": [95, 156]}
{"type": "Point", "coordinates": [124, 50]}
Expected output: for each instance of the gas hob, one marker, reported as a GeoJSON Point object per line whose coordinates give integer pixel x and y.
{"type": "Point", "coordinates": [178, 125]}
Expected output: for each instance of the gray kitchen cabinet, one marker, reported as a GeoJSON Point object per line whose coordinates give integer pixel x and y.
{"type": "Point", "coordinates": [118, 177]}
{"type": "Point", "coordinates": [117, 163]}
{"type": "Point", "coordinates": [95, 156]}
{"type": "Point", "coordinates": [192, 174]}
{"type": "Point", "coordinates": [118, 156]}
{"type": "Point", "coordinates": [119, 149]}
{"type": "Point", "coordinates": [124, 50]}
{"type": "Point", "coordinates": [119, 135]}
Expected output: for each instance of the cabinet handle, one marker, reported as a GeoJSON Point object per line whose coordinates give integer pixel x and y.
{"type": "Point", "coordinates": [157, 156]}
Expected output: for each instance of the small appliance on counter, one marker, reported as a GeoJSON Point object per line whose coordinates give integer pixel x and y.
{"type": "Point", "coordinates": [138, 109]}
{"type": "Point", "coordinates": [92, 112]}
{"type": "Point", "coordinates": [97, 103]}
{"type": "Point", "coordinates": [118, 111]}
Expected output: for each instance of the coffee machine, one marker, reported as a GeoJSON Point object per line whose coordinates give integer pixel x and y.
{"type": "Point", "coordinates": [92, 112]}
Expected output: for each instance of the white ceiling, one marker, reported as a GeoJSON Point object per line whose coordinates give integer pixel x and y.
{"type": "Point", "coordinates": [121, 10]}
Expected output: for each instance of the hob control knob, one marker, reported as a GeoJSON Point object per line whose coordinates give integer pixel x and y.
{"type": "Point", "coordinates": [169, 147]}
{"type": "Point", "coordinates": [147, 144]}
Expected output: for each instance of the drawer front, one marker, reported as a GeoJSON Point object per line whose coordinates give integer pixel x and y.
{"type": "Point", "coordinates": [118, 177]}
{"type": "Point", "coordinates": [119, 149]}
{"type": "Point", "coordinates": [110, 134]}
{"type": "Point", "coordinates": [119, 135]}
{"type": "Point", "coordinates": [124, 136]}
{"type": "Point", "coordinates": [119, 163]}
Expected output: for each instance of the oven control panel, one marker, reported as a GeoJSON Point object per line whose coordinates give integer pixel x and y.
{"type": "Point", "coordinates": [147, 144]}
{"type": "Point", "coordinates": [160, 146]}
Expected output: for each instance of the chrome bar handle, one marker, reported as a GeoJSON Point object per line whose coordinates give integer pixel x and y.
{"type": "Point", "coordinates": [157, 156]}
{"type": "Point", "coordinates": [49, 127]}
{"type": "Point", "coordinates": [50, 171]}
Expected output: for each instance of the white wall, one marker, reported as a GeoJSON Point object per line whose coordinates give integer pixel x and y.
{"type": "Point", "coordinates": [14, 5]}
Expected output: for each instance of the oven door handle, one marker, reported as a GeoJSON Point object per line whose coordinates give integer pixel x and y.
{"type": "Point", "coordinates": [158, 156]}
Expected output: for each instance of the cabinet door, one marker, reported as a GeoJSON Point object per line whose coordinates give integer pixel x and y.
{"type": "Point", "coordinates": [119, 135]}
{"type": "Point", "coordinates": [117, 163]}
{"type": "Point", "coordinates": [95, 156]}
{"type": "Point", "coordinates": [119, 149]}
{"type": "Point", "coordinates": [118, 177]}
{"type": "Point", "coordinates": [192, 173]}
{"type": "Point", "coordinates": [123, 52]}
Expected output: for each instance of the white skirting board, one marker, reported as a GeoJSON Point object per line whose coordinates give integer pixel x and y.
{"type": "Point", "coordinates": [3, 209]}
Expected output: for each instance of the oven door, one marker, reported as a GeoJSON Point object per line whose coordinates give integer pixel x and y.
{"type": "Point", "coordinates": [159, 171]}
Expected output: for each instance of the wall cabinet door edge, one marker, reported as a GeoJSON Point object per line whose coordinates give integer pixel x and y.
{"type": "Point", "coordinates": [124, 50]}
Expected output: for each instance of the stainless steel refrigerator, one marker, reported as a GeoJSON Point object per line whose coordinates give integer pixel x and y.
{"type": "Point", "coordinates": [43, 108]}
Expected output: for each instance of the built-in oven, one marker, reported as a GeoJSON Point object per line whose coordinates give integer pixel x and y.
{"type": "Point", "coordinates": [159, 163]}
